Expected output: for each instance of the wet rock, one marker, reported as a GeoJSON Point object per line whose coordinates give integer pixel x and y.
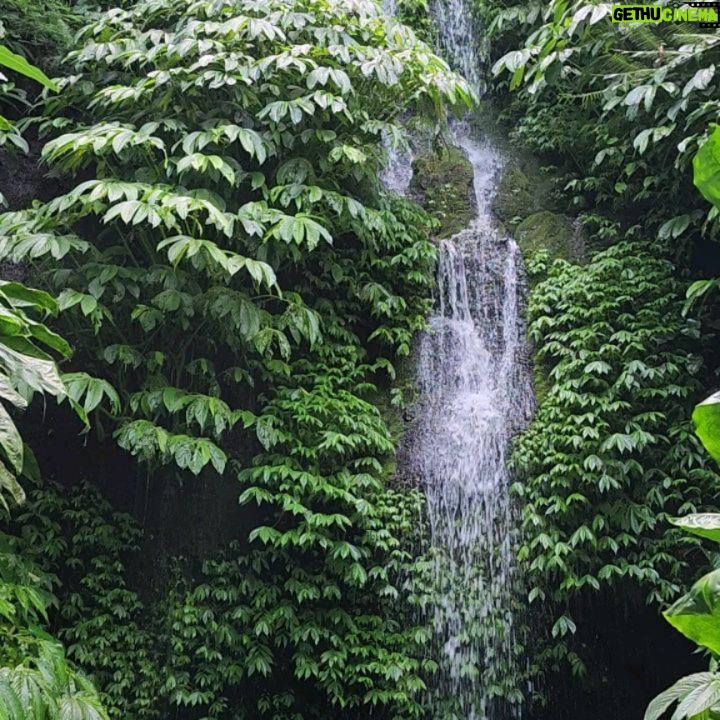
{"type": "Point", "coordinates": [545, 230]}
{"type": "Point", "coordinates": [23, 179]}
{"type": "Point", "coordinates": [515, 199]}
{"type": "Point", "coordinates": [443, 184]}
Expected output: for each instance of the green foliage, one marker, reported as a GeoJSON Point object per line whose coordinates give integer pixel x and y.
{"type": "Point", "coordinates": [705, 525]}
{"type": "Point", "coordinates": [75, 535]}
{"type": "Point", "coordinates": [620, 111]}
{"type": "Point", "coordinates": [621, 108]}
{"type": "Point", "coordinates": [707, 425]}
{"type": "Point", "coordinates": [36, 680]}
{"type": "Point", "coordinates": [706, 166]}
{"type": "Point", "coordinates": [19, 64]}
{"type": "Point", "coordinates": [9, 133]}
{"type": "Point", "coordinates": [706, 176]}
{"type": "Point", "coordinates": [26, 367]}
{"type": "Point", "coordinates": [609, 455]}
{"type": "Point", "coordinates": [697, 697]}
{"type": "Point", "coordinates": [696, 616]}
{"type": "Point", "coordinates": [41, 30]}
{"type": "Point", "coordinates": [416, 14]}
{"type": "Point", "coordinates": [227, 638]}
{"type": "Point", "coordinates": [194, 218]}
{"type": "Point", "coordinates": [236, 284]}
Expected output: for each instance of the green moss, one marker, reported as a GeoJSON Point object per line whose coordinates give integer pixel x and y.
{"type": "Point", "coordinates": [443, 183]}
{"type": "Point", "coordinates": [392, 398]}
{"type": "Point", "coordinates": [515, 200]}
{"type": "Point", "coordinates": [545, 230]}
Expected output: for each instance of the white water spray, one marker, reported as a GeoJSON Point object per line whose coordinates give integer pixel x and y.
{"type": "Point", "coordinates": [475, 394]}
{"type": "Point", "coordinates": [463, 46]}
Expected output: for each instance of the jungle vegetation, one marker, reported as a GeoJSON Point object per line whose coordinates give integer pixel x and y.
{"type": "Point", "coordinates": [206, 307]}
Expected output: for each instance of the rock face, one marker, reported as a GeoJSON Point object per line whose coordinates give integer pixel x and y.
{"type": "Point", "coordinates": [23, 179]}
{"type": "Point", "coordinates": [443, 184]}
{"type": "Point", "coordinates": [527, 205]}
{"type": "Point", "coordinates": [545, 230]}
{"type": "Point", "coordinates": [515, 199]}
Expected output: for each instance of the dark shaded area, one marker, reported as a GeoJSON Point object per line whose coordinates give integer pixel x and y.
{"type": "Point", "coordinates": [634, 654]}
{"type": "Point", "coordinates": [189, 519]}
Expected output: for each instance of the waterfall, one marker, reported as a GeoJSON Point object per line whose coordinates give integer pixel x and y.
{"type": "Point", "coordinates": [397, 173]}
{"type": "Point", "coordinates": [460, 39]}
{"type": "Point", "coordinates": [475, 393]}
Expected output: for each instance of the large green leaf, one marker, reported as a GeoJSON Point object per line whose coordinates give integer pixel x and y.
{"type": "Point", "coordinates": [697, 614]}
{"type": "Point", "coordinates": [19, 64]}
{"type": "Point", "coordinates": [694, 695]}
{"type": "Point", "coordinates": [706, 417]}
{"type": "Point", "coordinates": [21, 296]}
{"type": "Point", "coordinates": [705, 525]}
{"type": "Point", "coordinates": [38, 374]}
{"type": "Point", "coordinates": [706, 166]}
{"type": "Point", "coordinates": [9, 484]}
{"type": "Point", "coordinates": [10, 440]}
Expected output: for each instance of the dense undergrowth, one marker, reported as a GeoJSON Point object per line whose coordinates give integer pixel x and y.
{"type": "Point", "coordinates": [616, 114]}
{"type": "Point", "coordinates": [237, 290]}
{"type": "Point", "coordinates": [234, 284]}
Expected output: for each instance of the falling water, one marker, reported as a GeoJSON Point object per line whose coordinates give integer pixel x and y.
{"type": "Point", "coordinates": [463, 46]}
{"type": "Point", "coordinates": [397, 173]}
{"type": "Point", "coordinates": [475, 394]}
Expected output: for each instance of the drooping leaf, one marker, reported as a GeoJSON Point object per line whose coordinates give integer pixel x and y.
{"type": "Point", "coordinates": [697, 614]}
{"type": "Point", "coordinates": [10, 440]}
{"type": "Point", "coordinates": [705, 684]}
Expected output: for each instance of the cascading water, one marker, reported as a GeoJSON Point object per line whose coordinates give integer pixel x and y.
{"type": "Point", "coordinates": [397, 174]}
{"type": "Point", "coordinates": [459, 39]}
{"type": "Point", "coordinates": [475, 394]}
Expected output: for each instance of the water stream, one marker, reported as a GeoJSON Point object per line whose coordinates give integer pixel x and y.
{"type": "Point", "coordinates": [475, 394]}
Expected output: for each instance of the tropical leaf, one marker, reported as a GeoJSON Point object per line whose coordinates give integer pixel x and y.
{"type": "Point", "coordinates": [697, 614]}
{"type": "Point", "coordinates": [20, 65]}
{"type": "Point", "coordinates": [706, 167]}
{"type": "Point", "coordinates": [705, 525]}
{"type": "Point", "coordinates": [706, 417]}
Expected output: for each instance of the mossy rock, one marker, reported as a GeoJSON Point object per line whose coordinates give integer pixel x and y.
{"type": "Point", "coordinates": [443, 184]}
{"type": "Point", "coordinates": [545, 230]}
{"type": "Point", "coordinates": [515, 198]}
